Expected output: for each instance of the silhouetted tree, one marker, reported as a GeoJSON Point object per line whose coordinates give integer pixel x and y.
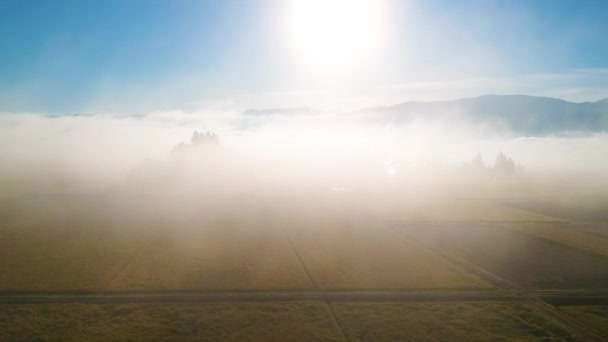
{"type": "Point", "coordinates": [477, 161]}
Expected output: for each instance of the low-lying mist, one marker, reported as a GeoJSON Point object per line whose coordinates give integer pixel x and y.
{"type": "Point", "coordinates": [179, 165]}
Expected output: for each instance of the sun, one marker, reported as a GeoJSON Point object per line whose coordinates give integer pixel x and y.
{"type": "Point", "coordinates": [334, 35]}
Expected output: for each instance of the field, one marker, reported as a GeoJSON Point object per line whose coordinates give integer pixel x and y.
{"type": "Point", "coordinates": [582, 208]}
{"type": "Point", "coordinates": [587, 237]}
{"type": "Point", "coordinates": [524, 260]}
{"type": "Point", "coordinates": [450, 209]}
{"type": "Point", "coordinates": [84, 249]}
{"type": "Point", "coordinates": [297, 321]}
{"type": "Point", "coordinates": [595, 317]}
{"type": "Point", "coordinates": [449, 321]}
{"type": "Point", "coordinates": [341, 254]}
{"type": "Point", "coordinates": [294, 321]}
{"type": "Point", "coordinates": [71, 256]}
{"type": "Point", "coordinates": [331, 270]}
{"type": "Point", "coordinates": [81, 249]}
{"type": "Point", "coordinates": [228, 256]}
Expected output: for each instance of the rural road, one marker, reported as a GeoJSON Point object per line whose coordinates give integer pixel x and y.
{"type": "Point", "coordinates": [254, 295]}
{"type": "Point", "coordinates": [297, 295]}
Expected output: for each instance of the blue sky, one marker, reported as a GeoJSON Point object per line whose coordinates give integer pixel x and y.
{"type": "Point", "coordinates": [139, 56]}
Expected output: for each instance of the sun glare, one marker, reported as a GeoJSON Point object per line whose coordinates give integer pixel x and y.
{"type": "Point", "coordinates": [334, 35]}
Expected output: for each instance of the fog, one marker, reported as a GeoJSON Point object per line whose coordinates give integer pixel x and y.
{"type": "Point", "coordinates": [302, 155]}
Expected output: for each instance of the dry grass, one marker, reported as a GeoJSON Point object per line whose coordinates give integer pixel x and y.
{"type": "Point", "coordinates": [340, 252]}
{"type": "Point", "coordinates": [298, 321]}
{"type": "Point", "coordinates": [446, 322]}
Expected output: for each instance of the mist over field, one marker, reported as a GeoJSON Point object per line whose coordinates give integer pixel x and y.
{"type": "Point", "coordinates": [294, 146]}
{"type": "Point", "coordinates": [303, 170]}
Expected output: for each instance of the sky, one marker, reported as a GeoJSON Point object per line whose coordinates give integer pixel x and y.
{"type": "Point", "coordinates": [133, 57]}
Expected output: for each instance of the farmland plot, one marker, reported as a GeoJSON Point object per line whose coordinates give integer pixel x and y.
{"type": "Point", "coordinates": [78, 242]}
{"type": "Point", "coordinates": [225, 256]}
{"type": "Point", "coordinates": [339, 253]}
{"type": "Point", "coordinates": [296, 321]}
{"type": "Point", "coordinates": [576, 208]}
{"type": "Point", "coordinates": [522, 259]}
{"type": "Point", "coordinates": [63, 255]}
{"type": "Point", "coordinates": [446, 322]}
{"type": "Point", "coordinates": [594, 316]}
{"type": "Point", "coordinates": [587, 237]}
{"type": "Point", "coordinates": [452, 209]}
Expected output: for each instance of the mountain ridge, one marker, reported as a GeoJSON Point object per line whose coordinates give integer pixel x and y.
{"type": "Point", "coordinates": [522, 114]}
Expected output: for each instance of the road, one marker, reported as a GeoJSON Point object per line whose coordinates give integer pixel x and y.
{"type": "Point", "coordinates": [569, 297]}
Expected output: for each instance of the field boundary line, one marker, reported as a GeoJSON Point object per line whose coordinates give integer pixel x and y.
{"type": "Point", "coordinates": [333, 315]}
{"type": "Point", "coordinates": [581, 329]}
{"type": "Point", "coordinates": [125, 267]}
{"type": "Point", "coordinates": [466, 265]}
{"type": "Point", "coordinates": [564, 244]}
{"type": "Point", "coordinates": [295, 252]}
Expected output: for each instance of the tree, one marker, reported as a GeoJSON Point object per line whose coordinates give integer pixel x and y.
{"type": "Point", "coordinates": [477, 161]}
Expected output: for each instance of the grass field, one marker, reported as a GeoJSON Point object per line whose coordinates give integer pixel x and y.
{"type": "Point", "coordinates": [523, 259]}
{"type": "Point", "coordinates": [341, 253]}
{"type": "Point", "coordinates": [447, 322]}
{"type": "Point", "coordinates": [594, 316]}
{"type": "Point", "coordinates": [296, 321]}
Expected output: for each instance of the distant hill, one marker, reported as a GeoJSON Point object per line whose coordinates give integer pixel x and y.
{"type": "Point", "coordinates": [279, 111]}
{"type": "Point", "coordinates": [522, 114]}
